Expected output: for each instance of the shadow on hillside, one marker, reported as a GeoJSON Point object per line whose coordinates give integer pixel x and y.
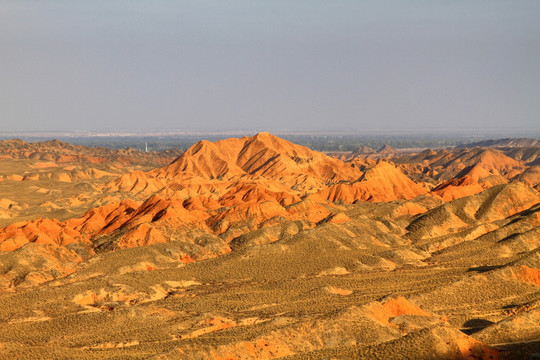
{"type": "Point", "coordinates": [473, 325]}
{"type": "Point", "coordinates": [519, 351]}
{"type": "Point", "coordinates": [485, 268]}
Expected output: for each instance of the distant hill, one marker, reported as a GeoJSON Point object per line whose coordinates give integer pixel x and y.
{"type": "Point", "coordinates": [62, 152]}
{"type": "Point", "coordinates": [386, 149]}
{"type": "Point", "coordinates": [363, 150]}
{"type": "Point", "coordinates": [508, 142]}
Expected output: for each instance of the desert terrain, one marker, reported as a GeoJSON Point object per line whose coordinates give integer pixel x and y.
{"type": "Point", "coordinates": [258, 248]}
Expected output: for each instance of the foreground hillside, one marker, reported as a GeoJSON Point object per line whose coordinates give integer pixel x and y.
{"type": "Point", "coordinates": [260, 248]}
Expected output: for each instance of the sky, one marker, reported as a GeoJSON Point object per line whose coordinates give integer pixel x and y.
{"type": "Point", "coordinates": [272, 65]}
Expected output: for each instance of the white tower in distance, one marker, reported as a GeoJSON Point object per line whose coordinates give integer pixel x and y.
{"type": "Point", "coordinates": [145, 147]}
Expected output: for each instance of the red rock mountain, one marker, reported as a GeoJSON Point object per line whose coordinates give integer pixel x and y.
{"type": "Point", "coordinates": [228, 187]}
{"type": "Point", "coordinates": [384, 182]}
{"type": "Point", "coordinates": [259, 248]}
{"type": "Point", "coordinates": [262, 155]}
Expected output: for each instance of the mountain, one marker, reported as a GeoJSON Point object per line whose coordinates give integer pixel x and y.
{"type": "Point", "coordinates": [262, 155]}
{"type": "Point", "coordinates": [530, 176]}
{"type": "Point", "coordinates": [526, 150]}
{"type": "Point", "coordinates": [492, 161]}
{"type": "Point", "coordinates": [489, 166]}
{"type": "Point", "coordinates": [508, 142]}
{"type": "Point", "coordinates": [62, 152]}
{"type": "Point", "coordinates": [215, 166]}
{"type": "Point", "coordinates": [386, 149]}
{"type": "Point", "coordinates": [458, 188]}
{"type": "Point", "coordinates": [529, 155]}
{"type": "Point", "coordinates": [258, 248]}
{"type": "Point", "coordinates": [383, 182]}
{"type": "Point", "coordinates": [493, 204]}
{"type": "Point", "coordinates": [362, 150]}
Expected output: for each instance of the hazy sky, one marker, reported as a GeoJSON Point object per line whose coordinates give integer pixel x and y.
{"type": "Point", "coordinates": [268, 65]}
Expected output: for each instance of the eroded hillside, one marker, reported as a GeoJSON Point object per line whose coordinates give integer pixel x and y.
{"type": "Point", "coordinates": [259, 248]}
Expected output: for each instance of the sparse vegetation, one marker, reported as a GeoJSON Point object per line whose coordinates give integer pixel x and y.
{"type": "Point", "coordinates": [264, 249]}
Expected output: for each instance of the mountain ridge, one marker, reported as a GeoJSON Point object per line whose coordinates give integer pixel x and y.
{"type": "Point", "coordinates": [255, 247]}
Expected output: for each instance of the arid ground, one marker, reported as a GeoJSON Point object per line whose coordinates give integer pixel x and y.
{"type": "Point", "coordinates": [257, 248]}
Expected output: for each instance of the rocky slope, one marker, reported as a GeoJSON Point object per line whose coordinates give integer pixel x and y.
{"type": "Point", "coordinates": [260, 248]}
